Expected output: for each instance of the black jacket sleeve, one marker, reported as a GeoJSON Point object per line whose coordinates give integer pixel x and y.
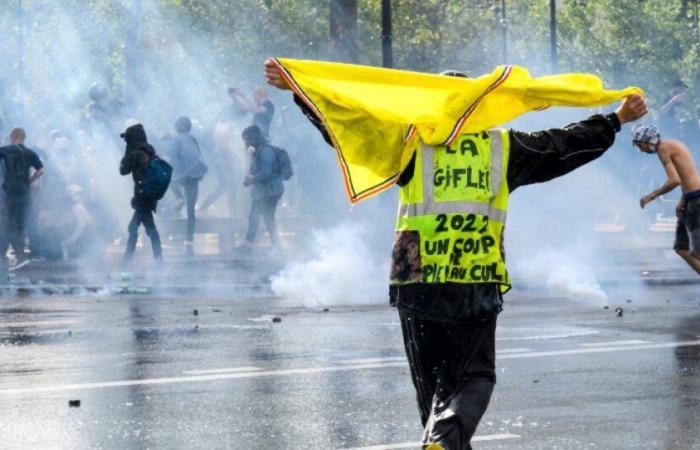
{"type": "Point", "coordinates": [126, 165]}
{"type": "Point", "coordinates": [544, 155]}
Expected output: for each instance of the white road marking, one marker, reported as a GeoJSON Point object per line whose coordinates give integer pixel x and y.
{"type": "Point", "coordinates": [373, 360]}
{"type": "Point", "coordinates": [613, 343]}
{"type": "Point", "coordinates": [582, 351]}
{"type": "Point", "coordinates": [542, 337]}
{"type": "Point", "coordinates": [211, 377]}
{"type": "Point", "coordinates": [406, 445]}
{"type": "Point", "coordinates": [40, 323]}
{"type": "Point", "coordinates": [506, 351]}
{"type": "Point", "coordinates": [319, 370]}
{"type": "Point", "coordinates": [222, 370]}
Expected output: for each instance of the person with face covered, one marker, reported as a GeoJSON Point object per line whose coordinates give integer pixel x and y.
{"type": "Point", "coordinates": [137, 155]}
{"type": "Point", "coordinates": [680, 168]}
{"type": "Point", "coordinates": [448, 272]}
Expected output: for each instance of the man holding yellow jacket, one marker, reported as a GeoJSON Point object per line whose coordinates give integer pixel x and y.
{"type": "Point", "coordinates": [433, 136]}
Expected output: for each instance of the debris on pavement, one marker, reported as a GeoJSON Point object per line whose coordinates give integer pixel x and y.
{"type": "Point", "coordinates": [74, 403]}
{"type": "Point", "coordinates": [618, 312]}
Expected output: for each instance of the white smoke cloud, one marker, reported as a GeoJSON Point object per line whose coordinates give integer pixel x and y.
{"type": "Point", "coordinates": [341, 271]}
{"type": "Point", "coordinates": [562, 273]}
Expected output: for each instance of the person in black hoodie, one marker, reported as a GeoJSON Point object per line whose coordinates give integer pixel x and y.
{"type": "Point", "coordinates": [135, 162]}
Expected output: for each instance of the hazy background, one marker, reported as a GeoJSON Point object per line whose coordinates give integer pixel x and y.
{"type": "Point", "coordinates": [159, 59]}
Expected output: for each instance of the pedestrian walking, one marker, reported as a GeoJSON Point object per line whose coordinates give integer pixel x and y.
{"type": "Point", "coordinates": [189, 169]}
{"type": "Point", "coordinates": [137, 156]}
{"type": "Point", "coordinates": [265, 184]}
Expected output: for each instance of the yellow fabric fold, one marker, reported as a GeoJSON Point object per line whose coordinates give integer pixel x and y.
{"type": "Point", "coordinates": [374, 115]}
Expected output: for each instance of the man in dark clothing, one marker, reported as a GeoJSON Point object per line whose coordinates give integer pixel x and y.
{"type": "Point", "coordinates": [237, 110]}
{"type": "Point", "coordinates": [266, 186]}
{"type": "Point", "coordinates": [263, 111]}
{"type": "Point", "coordinates": [189, 168]}
{"type": "Point", "coordinates": [449, 328]}
{"type": "Point", "coordinates": [137, 155]}
{"type": "Point", "coordinates": [18, 160]}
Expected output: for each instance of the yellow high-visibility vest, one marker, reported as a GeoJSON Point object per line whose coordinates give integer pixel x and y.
{"type": "Point", "coordinates": [452, 213]}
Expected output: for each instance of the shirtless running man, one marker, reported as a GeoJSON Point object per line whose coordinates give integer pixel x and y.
{"type": "Point", "coordinates": [680, 170]}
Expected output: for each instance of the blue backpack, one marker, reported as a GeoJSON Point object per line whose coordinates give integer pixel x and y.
{"type": "Point", "coordinates": [157, 180]}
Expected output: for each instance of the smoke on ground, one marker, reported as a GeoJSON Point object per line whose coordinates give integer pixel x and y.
{"type": "Point", "coordinates": [342, 270]}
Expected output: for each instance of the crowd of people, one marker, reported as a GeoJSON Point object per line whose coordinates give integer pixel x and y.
{"type": "Point", "coordinates": [57, 202]}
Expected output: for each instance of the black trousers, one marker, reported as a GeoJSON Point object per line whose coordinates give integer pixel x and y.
{"type": "Point", "coordinates": [17, 210]}
{"type": "Point", "coordinates": [191, 188]}
{"type": "Point", "coordinates": [453, 367]}
{"type": "Point", "coordinates": [143, 215]}
{"type": "Point", "coordinates": [264, 207]}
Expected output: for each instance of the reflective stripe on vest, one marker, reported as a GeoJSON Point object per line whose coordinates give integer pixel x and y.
{"type": "Point", "coordinates": [430, 206]}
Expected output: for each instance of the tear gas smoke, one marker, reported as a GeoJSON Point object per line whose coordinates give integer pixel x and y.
{"type": "Point", "coordinates": [562, 274]}
{"type": "Point", "coordinates": [343, 270]}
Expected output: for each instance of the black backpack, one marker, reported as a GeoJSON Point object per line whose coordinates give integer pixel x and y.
{"type": "Point", "coordinates": [283, 162]}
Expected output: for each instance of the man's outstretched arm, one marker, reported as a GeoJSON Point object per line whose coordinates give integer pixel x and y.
{"type": "Point", "coordinates": [673, 180]}
{"type": "Point", "coordinates": [543, 155]}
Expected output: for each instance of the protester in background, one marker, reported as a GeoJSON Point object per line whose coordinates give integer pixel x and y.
{"type": "Point", "coordinates": [137, 155]}
{"type": "Point", "coordinates": [263, 110]}
{"type": "Point", "coordinates": [237, 110]}
{"type": "Point", "coordinates": [671, 119]}
{"type": "Point", "coordinates": [189, 168]}
{"type": "Point", "coordinates": [81, 233]}
{"type": "Point", "coordinates": [266, 186]}
{"type": "Point", "coordinates": [681, 171]}
{"type": "Point", "coordinates": [104, 111]}
{"type": "Point", "coordinates": [222, 159]}
{"type": "Point", "coordinates": [18, 161]}
{"type": "Point", "coordinates": [65, 158]}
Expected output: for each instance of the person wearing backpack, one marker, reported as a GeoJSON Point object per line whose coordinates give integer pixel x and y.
{"type": "Point", "coordinates": [189, 170]}
{"type": "Point", "coordinates": [18, 160]}
{"type": "Point", "coordinates": [266, 186]}
{"type": "Point", "coordinates": [137, 157]}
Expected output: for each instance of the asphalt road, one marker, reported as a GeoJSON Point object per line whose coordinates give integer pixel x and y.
{"type": "Point", "coordinates": [150, 373]}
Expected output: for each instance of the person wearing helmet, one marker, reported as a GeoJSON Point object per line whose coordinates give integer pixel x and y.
{"type": "Point", "coordinates": [680, 171]}
{"type": "Point", "coordinates": [448, 304]}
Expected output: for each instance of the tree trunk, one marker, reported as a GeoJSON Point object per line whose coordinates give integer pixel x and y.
{"type": "Point", "coordinates": [342, 30]}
